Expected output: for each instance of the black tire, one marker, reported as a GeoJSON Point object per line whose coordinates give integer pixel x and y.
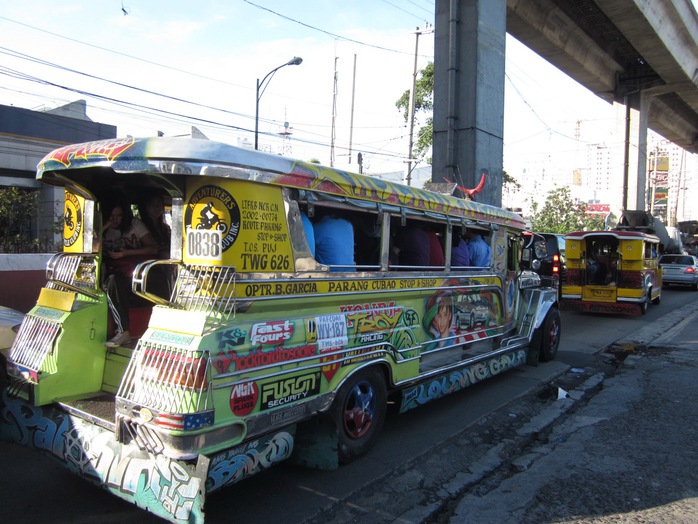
{"type": "Point", "coordinates": [359, 413]}
{"type": "Point", "coordinates": [546, 338]}
{"type": "Point", "coordinates": [646, 303]}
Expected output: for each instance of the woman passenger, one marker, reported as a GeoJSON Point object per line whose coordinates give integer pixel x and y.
{"type": "Point", "coordinates": [125, 243]}
{"type": "Point", "coordinates": [152, 212]}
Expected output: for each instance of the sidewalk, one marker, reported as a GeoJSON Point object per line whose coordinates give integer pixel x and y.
{"type": "Point", "coordinates": [626, 454]}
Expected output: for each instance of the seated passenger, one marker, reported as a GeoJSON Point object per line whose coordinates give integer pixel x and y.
{"type": "Point", "coordinates": [460, 256]}
{"type": "Point", "coordinates": [413, 245]}
{"type": "Point", "coordinates": [125, 241]}
{"type": "Point", "coordinates": [367, 232]}
{"type": "Point", "coordinates": [436, 250]}
{"type": "Point", "coordinates": [479, 250]}
{"type": "Point", "coordinates": [334, 242]}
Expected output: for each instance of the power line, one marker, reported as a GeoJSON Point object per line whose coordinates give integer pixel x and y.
{"type": "Point", "coordinates": [184, 71]}
{"type": "Point", "coordinates": [328, 33]}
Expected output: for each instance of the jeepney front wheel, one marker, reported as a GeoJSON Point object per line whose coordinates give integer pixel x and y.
{"type": "Point", "coordinates": [359, 412]}
{"type": "Point", "coordinates": [547, 337]}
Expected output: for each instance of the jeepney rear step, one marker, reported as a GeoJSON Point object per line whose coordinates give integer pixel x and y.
{"type": "Point", "coordinates": [99, 410]}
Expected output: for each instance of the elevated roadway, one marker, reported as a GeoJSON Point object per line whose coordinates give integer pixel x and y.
{"type": "Point", "coordinates": [620, 49]}
{"type": "Point", "coordinates": [642, 54]}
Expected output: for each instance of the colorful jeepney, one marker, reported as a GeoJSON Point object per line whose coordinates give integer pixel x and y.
{"type": "Point", "coordinates": [612, 272]}
{"type": "Point", "coordinates": [256, 346]}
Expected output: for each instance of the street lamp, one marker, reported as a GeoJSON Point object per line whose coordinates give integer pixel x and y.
{"type": "Point", "coordinates": [261, 86]}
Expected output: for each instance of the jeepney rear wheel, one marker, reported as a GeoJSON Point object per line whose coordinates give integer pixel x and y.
{"type": "Point", "coordinates": [547, 337]}
{"type": "Point", "coordinates": [646, 302]}
{"type": "Point", "coordinates": [359, 412]}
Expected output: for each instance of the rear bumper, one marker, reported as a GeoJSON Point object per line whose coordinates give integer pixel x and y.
{"type": "Point", "coordinates": [174, 490]}
{"type": "Point", "coordinates": [624, 308]}
{"type": "Point", "coordinates": [680, 280]}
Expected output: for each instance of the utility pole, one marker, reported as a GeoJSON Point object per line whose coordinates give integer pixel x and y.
{"type": "Point", "coordinates": [334, 113]}
{"type": "Point", "coordinates": [408, 173]}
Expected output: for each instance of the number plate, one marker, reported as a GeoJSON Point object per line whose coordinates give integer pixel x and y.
{"type": "Point", "coordinates": [205, 244]}
{"type": "Point", "coordinates": [602, 293]}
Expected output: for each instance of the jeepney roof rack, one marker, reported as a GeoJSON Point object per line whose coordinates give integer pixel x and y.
{"type": "Point", "coordinates": [442, 188]}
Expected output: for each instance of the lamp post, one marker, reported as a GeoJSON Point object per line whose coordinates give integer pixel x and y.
{"type": "Point", "coordinates": [261, 86]}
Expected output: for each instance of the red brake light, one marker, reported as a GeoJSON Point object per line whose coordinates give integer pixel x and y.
{"type": "Point", "coordinates": [556, 263]}
{"type": "Point", "coordinates": [175, 369]}
{"type": "Point", "coordinates": [690, 270]}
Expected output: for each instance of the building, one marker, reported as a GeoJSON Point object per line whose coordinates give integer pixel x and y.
{"type": "Point", "coordinates": [26, 136]}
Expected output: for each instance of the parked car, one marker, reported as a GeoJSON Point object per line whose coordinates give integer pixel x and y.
{"type": "Point", "coordinates": [549, 250]}
{"type": "Point", "coordinates": [680, 270]}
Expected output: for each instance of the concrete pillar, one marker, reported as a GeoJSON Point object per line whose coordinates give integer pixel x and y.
{"type": "Point", "coordinates": [468, 121]}
{"type": "Point", "coordinates": [635, 152]}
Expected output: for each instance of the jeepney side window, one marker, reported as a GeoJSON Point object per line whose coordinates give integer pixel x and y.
{"type": "Point", "coordinates": [648, 250]}
{"type": "Point", "coordinates": [512, 252]}
{"type": "Point", "coordinates": [417, 245]}
{"type": "Point", "coordinates": [301, 231]}
{"type": "Point", "coordinates": [367, 240]}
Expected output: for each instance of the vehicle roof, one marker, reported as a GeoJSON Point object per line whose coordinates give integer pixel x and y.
{"type": "Point", "coordinates": [178, 155]}
{"type": "Point", "coordinates": [620, 235]}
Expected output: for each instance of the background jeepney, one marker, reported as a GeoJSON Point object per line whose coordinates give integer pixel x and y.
{"type": "Point", "coordinates": [257, 347]}
{"type": "Point", "coordinates": [612, 272]}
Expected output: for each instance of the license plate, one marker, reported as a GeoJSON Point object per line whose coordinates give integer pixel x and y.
{"type": "Point", "coordinates": [602, 293]}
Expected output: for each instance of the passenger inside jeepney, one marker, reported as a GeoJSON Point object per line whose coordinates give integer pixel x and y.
{"type": "Point", "coordinates": [480, 251]}
{"type": "Point", "coordinates": [460, 256]}
{"type": "Point", "coordinates": [151, 210]}
{"type": "Point", "coordinates": [334, 241]}
{"type": "Point", "coordinates": [126, 242]}
{"type": "Point", "coordinates": [596, 270]}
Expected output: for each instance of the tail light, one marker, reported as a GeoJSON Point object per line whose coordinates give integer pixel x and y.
{"type": "Point", "coordinates": [175, 369]}
{"type": "Point", "coordinates": [630, 279]}
{"type": "Point", "coordinates": [689, 270]}
{"type": "Point", "coordinates": [574, 277]}
{"type": "Point", "coordinates": [556, 264]}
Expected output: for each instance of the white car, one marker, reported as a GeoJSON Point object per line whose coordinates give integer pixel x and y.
{"type": "Point", "coordinates": [680, 269]}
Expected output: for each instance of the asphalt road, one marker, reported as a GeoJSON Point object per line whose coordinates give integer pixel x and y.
{"type": "Point", "coordinates": [400, 480]}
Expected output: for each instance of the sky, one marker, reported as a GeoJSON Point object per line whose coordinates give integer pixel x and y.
{"type": "Point", "coordinates": [167, 65]}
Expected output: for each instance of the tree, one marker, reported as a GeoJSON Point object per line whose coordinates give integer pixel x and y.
{"type": "Point", "coordinates": [424, 102]}
{"type": "Point", "coordinates": [510, 183]}
{"type": "Point", "coordinates": [18, 210]}
{"type": "Point", "coordinates": [560, 214]}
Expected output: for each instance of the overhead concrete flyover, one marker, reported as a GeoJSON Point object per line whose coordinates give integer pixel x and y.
{"type": "Point", "coordinates": [621, 48]}
{"type": "Point", "coordinates": [642, 54]}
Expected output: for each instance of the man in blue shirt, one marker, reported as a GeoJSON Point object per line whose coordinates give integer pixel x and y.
{"type": "Point", "coordinates": [479, 249]}
{"type": "Point", "coordinates": [334, 242]}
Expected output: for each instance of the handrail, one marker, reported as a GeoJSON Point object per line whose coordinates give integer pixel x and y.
{"type": "Point", "coordinates": [69, 270]}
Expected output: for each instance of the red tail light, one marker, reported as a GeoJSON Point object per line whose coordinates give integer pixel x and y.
{"type": "Point", "coordinates": [689, 270]}
{"type": "Point", "coordinates": [630, 279]}
{"type": "Point", "coordinates": [175, 369]}
{"type": "Point", "coordinates": [574, 277]}
{"type": "Point", "coordinates": [556, 263]}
